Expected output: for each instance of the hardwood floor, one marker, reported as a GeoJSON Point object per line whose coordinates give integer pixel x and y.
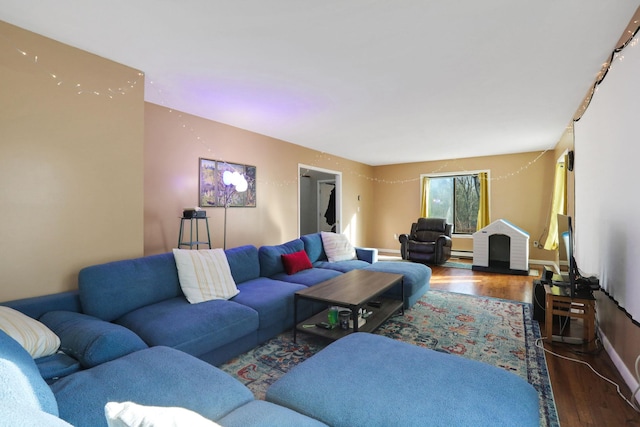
{"type": "Point", "coordinates": [582, 398]}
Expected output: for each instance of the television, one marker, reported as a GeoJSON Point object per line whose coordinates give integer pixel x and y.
{"type": "Point", "coordinates": [565, 238]}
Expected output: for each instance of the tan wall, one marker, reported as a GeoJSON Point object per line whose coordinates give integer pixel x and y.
{"type": "Point", "coordinates": [173, 143]}
{"type": "Point", "coordinates": [520, 192]}
{"type": "Point", "coordinates": [70, 163]}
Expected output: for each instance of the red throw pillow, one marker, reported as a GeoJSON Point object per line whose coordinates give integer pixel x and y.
{"type": "Point", "coordinates": [295, 262]}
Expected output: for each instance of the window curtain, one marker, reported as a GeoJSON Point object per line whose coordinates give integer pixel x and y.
{"type": "Point", "coordinates": [558, 205]}
{"type": "Point", "coordinates": [424, 201]}
{"type": "Point", "coordinates": [483, 201]}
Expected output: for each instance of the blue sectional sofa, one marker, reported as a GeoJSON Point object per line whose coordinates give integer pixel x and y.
{"type": "Point", "coordinates": [131, 315]}
{"type": "Point", "coordinates": [144, 296]}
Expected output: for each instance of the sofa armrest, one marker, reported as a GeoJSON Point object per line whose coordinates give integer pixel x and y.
{"type": "Point", "coordinates": [369, 255]}
{"type": "Point", "coordinates": [444, 241]}
{"type": "Point", "coordinates": [404, 239]}
{"type": "Point", "coordinates": [37, 306]}
{"type": "Point", "coordinates": [90, 340]}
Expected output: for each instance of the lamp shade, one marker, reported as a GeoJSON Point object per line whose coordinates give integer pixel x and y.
{"type": "Point", "coordinates": [242, 185]}
{"type": "Point", "coordinates": [235, 179]}
{"type": "Point", "coordinates": [227, 178]}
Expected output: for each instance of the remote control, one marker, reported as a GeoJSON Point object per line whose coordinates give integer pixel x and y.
{"type": "Point", "coordinates": [324, 325]}
{"type": "Point", "coordinates": [375, 304]}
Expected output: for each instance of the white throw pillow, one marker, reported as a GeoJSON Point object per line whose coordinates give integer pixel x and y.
{"type": "Point", "coordinates": [129, 414]}
{"type": "Point", "coordinates": [204, 275]}
{"type": "Point", "coordinates": [337, 247]}
{"type": "Point", "coordinates": [34, 336]}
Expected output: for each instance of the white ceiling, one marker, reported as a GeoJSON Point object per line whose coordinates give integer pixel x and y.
{"type": "Point", "coordinates": [375, 81]}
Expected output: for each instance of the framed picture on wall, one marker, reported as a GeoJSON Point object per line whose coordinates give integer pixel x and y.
{"type": "Point", "coordinates": [214, 193]}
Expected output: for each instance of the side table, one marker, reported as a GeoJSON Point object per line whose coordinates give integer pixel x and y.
{"type": "Point", "coordinates": [578, 307]}
{"type": "Point", "coordinates": [193, 242]}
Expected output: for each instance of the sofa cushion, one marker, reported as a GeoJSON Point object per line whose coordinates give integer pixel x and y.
{"type": "Point", "coordinates": [342, 266]}
{"type": "Point", "coordinates": [56, 366]}
{"type": "Point", "coordinates": [157, 376]}
{"type": "Point", "coordinates": [34, 336]}
{"type": "Point", "coordinates": [204, 275]}
{"type": "Point", "coordinates": [421, 387]}
{"type": "Point", "coordinates": [259, 413]}
{"type": "Point", "coordinates": [272, 299]}
{"type": "Point", "coordinates": [313, 247]}
{"type": "Point", "coordinates": [13, 414]}
{"type": "Point", "coordinates": [90, 340]}
{"type": "Point", "coordinates": [337, 247]}
{"type": "Point", "coordinates": [270, 256]}
{"type": "Point", "coordinates": [193, 328]}
{"type": "Point", "coordinates": [244, 263]}
{"type": "Point", "coordinates": [295, 262]}
{"type": "Point", "coordinates": [309, 277]}
{"type": "Point", "coordinates": [130, 414]}
{"type": "Point", "coordinates": [20, 380]}
{"type": "Point", "coordinates": [107, 291]}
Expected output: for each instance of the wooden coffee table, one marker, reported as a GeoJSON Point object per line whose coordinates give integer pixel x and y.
{"type": "Point", "coordinates": [352, 290]}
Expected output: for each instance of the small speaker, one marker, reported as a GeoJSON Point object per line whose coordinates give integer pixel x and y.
{"type": "Point", "coordinates": [570, 160]}
{"type": "Point", "coordinates": [538, 296]}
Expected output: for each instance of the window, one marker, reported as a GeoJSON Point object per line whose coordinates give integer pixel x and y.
{"type": "Point", "coordinates": [454, 197]}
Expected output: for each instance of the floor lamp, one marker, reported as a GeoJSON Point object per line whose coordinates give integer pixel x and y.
{"type": "Point", "coordinates": [234, 182]}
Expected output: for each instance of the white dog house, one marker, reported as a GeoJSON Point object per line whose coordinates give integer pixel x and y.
{"type": "Point", "coordinates": [501, 247]}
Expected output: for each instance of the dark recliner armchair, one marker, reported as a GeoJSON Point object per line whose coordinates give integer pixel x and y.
{"type": "Point", "coordinates": [429, 241]}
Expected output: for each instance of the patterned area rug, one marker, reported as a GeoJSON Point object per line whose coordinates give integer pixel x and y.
{"type": "Point", "coordinates": [495, 331]}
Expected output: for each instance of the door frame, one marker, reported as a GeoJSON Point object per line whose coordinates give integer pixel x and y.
{"type": "Point", "coordinates": [337, 175]}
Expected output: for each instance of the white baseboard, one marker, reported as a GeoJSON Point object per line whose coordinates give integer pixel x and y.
{"type": "Point", "coordinates": [462, 254]}
{"type": "Point", "coordinates": [469, 255]}
{"type": "Point", "coordinates": [389, 251]}
{"type": "Point", "coordinates": [626, 374]}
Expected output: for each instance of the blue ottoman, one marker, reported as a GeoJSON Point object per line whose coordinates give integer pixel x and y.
{"type": "Point", "coordinates": [370, 380]}
{"type": "Point", "coordinates": [415, 282]}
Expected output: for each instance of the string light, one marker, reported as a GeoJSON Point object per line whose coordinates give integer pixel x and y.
{"type": "Point", "coordinates": [616, 55]}
{"type": "Point", "coordinates": [184, 123]}
{"type": "Point", "coordinates": [457, 166]}
{"type": "Point", "coordinates": [110, 93]}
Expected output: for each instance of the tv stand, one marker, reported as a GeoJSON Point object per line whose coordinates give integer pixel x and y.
{"type": "Point", "coordinates": [582, 307]}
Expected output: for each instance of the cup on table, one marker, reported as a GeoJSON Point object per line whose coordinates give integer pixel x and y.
{"type": "Point", "coordinates": [332, 317]}
{"type": "Point", "coordinates": [344, 316]}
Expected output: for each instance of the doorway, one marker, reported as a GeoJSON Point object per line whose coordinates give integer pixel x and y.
{"type": "Point", "coordinates": [319, 200]}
